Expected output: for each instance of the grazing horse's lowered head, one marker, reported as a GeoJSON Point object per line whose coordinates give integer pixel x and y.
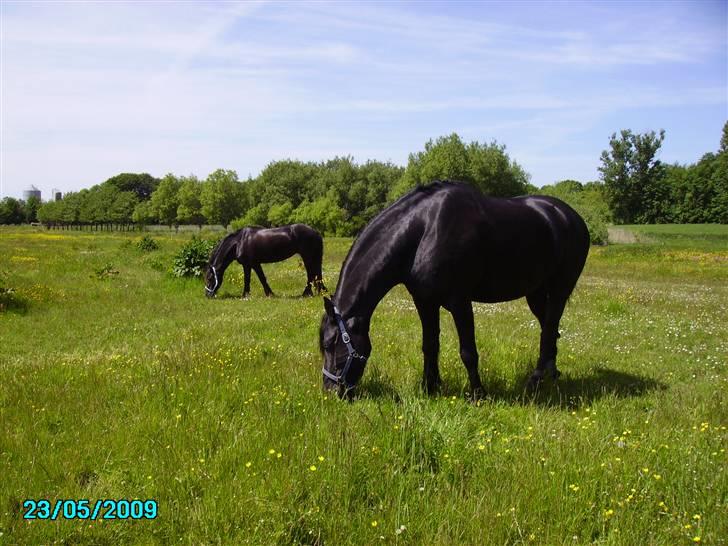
{"type": "Point", "coordinates": [212, 281]}
{"type": "Point", "coordinates": [344, 343]}
{"type": "Point", "coordinates": [222, 256]}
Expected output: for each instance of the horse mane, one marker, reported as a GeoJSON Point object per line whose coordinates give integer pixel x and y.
{"type": "Point", "coordinates": [434, 186]}
{"type": "Point", "coordinates": [223, 244]}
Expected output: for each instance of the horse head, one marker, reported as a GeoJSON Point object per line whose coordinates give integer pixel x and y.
{"type": "Point", "coordinates": [220, 258]}
{"type": "Point", "coordinates": [213, 279]}
{"type": "Point", "coordinates": [345, 346]}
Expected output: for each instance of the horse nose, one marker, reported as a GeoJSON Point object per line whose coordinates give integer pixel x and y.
{"type": "Point", "coordinates": [328, 384]}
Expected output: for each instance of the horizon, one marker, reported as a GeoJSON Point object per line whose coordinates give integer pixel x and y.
{"type": "Point", "coordinates": [91, 90]}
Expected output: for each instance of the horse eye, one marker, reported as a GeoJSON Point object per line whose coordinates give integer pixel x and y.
{"type": "Point", "coordinates": [331, 341]}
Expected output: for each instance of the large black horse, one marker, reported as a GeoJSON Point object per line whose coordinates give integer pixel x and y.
{"type": "Point", "coordinates": [451, 245]}
{"type": "Point", "coordinates": [252, 246]}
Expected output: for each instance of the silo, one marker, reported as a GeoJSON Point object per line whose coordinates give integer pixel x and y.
{"type": "Point", "coordinates": [31, 192]}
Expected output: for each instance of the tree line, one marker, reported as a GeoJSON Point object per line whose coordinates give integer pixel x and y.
{"type": "Point", "coordinates": [340, 196]}
{"type": "Point", "coordinates": [337, 197]}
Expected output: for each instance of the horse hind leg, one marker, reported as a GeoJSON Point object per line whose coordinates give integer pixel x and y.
{"type": "Point", "coordinates": [313, 274]}
{"type": "Point", "coordinates": [548, 309]}
{"type": "Point", "coordinates": [310, 281]}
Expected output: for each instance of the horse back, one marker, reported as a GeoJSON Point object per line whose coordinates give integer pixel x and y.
{"type": "Point", "coordinates": [277, 244]}
{"type": "Point", "coordinates": [493, 249]}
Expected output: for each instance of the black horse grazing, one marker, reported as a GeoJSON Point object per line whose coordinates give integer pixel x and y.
{"type": "Point", "coordinates": [252, 246]}
{"type": "Point", "coordinates": [451, 245]}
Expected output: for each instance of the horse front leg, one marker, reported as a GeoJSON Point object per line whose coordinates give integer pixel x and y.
{"type": "Point", "coordinates": [462, 312]}
{"type": "Point", "coordinates": [261, 277]}
{"type": "Point", "coordinates": [246, 281]}
{"type": "Point", "coordinates": [430, 318]}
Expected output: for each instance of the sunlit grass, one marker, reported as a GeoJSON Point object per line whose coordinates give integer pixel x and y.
{"type": "Point", "coordinates": [136, 386]}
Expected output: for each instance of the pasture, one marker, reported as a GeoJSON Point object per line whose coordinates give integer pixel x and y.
{"type": "Point", "coordinates": [118, 381]}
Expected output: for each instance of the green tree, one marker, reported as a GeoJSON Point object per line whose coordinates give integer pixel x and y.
{"type": "Point", "coordinates": [144, 214]}
{"type": "Point", "coordinates": [165, 200]}
{"type": "Point", "coordinates": [189, 210]}
{"type": "Point", "coordinates": [588, 200]}
{"type": "Point", "coordinates": [50, 213]}
{"type": "Point", "coordinates": [486, 166]}
{"type": "Point", "coordinates": [30, 209]}
{"type": "Point", "coordinates": [223, 197]}
{"type": "Point", "coordinates": [122, 207]}
{"type": "Point", "coordinates": [71, 211]}
{"type": "Point", "coordinates": [11, 211]}
{"type": "Point", "coordinates": [279, 215]}
{"type": "Point", "coordinates": [285, 181]}
{"type": "Point", "coordinates": [634, 179]}
{"type": "Point", "coordinates": [141, 184]}
{"type": "Point", "coordinates": [324, 214]}
{"type": "Point", "coordinates": [254, 216]}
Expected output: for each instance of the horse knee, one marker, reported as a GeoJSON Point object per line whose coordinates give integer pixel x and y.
{"type": "Point", "coordinates": [430, 347]}
{"type": "Point", "coordinates": [469, 357]}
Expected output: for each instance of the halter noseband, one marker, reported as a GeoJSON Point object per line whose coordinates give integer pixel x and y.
{"type": "Point", "coordinates": [212, 290]}
{"type": "Point", "coordinates": [351, 354]}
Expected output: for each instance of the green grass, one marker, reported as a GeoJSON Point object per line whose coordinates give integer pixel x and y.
{"type": "Point", "coordinates": [134, 385]}
{"type": "Point", "coordinates": [692, 236]}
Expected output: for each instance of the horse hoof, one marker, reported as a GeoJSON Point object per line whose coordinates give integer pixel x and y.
{"type": "Point", "coordinates": [431, 388]}
{"type": "Point", "coordinates": [478, 395]}
{"type": "Point", "coordinates": [535, 380]}
{"type": "Point", "coordinates": [552, 370]}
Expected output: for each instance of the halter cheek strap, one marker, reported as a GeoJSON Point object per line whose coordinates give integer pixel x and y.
{"type": "Point", "coordinates": [351, 354]}
{"type": "Point", "coordinates": [212, 290]}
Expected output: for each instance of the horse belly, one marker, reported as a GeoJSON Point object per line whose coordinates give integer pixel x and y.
{"type": "Point", "coordinates": [498, 290]}
{"type": "Point", "coordinates": [514, 276]}
{"type": "Point", "coordinates": [274, 254]}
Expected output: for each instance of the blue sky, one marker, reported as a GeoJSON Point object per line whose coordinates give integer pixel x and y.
{"type": "Point", "coordinates": [92, 89]}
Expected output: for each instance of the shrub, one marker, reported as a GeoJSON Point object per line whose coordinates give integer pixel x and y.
{"type": "Point", "coordinates": [6, 293]}
{"type": "Point", "coordinates": [147, 244]}
{"type": "Point", "coordinates": [104, 273]}
{"type": "Point", "coordinates": [192, 259]}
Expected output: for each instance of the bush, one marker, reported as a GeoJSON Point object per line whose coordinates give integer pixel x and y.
{"type": "Point", "coordinates": [596, 224]}
{"type": "Point", "coordinates": [105, 273]}
{"type": "Point", "coordinates": [192, 259]}
{"type": "Point", "coordinates": [6, 293]}
{"type": "Point", "coordinates": [147, 244]}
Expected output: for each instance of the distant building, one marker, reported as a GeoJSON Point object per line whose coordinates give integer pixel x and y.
{"type": "Point", "coordinates": [57, 195]}
{"type": "Point", "coordinates": [31, 192]}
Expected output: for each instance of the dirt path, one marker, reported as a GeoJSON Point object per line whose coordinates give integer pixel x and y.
{"type": "Point", "coordinates": [620, 235]}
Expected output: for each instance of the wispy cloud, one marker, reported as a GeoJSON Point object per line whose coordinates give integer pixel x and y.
{"type": "Point", "coordinates": [89, 89]}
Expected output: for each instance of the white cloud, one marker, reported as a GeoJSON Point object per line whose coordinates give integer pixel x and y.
{"type": "Point", "coordinates": [89, 89]}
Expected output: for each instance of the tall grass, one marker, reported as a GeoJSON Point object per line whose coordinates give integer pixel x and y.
{"type": "Point", "coordinates": [134, 385]}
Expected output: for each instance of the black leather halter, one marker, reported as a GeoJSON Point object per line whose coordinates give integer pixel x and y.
{"type": "Point", "coordinates": [350, 357]}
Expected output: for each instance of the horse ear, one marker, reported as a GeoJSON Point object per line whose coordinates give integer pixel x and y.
{"type": "Point", "coordinates": [329, 307]}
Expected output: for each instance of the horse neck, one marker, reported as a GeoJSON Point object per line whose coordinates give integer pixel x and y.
{"type": "Point", "coordinates": [365, 281]}
{"type": "Point", "coordinates": [224, 256]}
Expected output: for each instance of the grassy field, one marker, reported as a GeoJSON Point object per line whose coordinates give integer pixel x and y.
{"type": "Point", "coordinates": [117, 381]}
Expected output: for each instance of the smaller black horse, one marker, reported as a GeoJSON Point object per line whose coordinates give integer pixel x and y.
{"type": "Point", "coordinates": [252, 246]}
